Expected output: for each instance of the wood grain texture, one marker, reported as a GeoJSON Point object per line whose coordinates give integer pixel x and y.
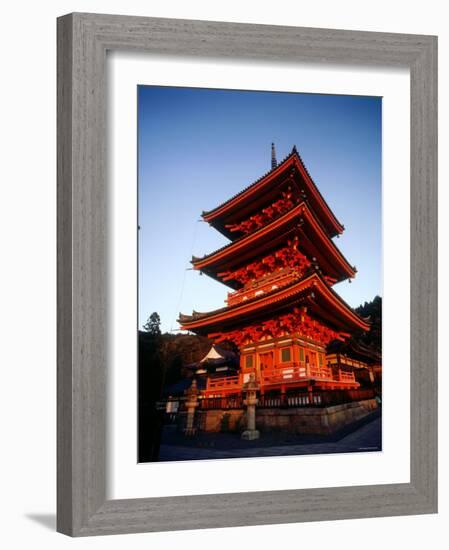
{"type": "Point", "coordinates": [64, 277]}
{"type": "Point", "coordinates": [83, 40]}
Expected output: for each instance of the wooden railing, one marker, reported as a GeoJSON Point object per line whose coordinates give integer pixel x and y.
{"type": "Point", "coordinates": [229, 402]}
{"type": "Point", "coordinates": [223, 383]}
{"type": "Point", "coordinates": [292, 372]}
{"type": "Point", "coordinates": [320, 373]}
{"type": "Point", "coordinates": [278, 281]}
{"type": "Point", "coordinates": [326, 398]}
{"type": "Point", "coordinates": [285, 374]}
{"type": "Point", "coordinates": [346, 376]}
{"type": "Point", "coordinates": [288, 400]}
{"type": "Point", "coordinates": [268, 401]}
{"type": "Point", "coordinates": [335, 359]}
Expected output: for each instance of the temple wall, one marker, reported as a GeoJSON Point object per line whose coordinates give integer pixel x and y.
{"type": "Point", "coordinates": [223, 420]}
{"type": "Point", "coordinates": [301, 420]}
{"type": "Point", "coordinates": [320, 421]}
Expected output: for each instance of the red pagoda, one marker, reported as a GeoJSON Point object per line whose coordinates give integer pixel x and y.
{"type": "Point", "coordinates": [281, 264]}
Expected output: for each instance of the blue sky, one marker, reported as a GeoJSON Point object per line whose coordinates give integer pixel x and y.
{"type": "Point", "coordinates": [198, 147]}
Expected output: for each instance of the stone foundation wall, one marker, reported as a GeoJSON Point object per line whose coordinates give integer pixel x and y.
{"type": "Point", "coordinates": [304, 420]}
{"type": "Point", "coordinates": [300, 420]}
{"type": "Point", "coordinates": [230, 420]}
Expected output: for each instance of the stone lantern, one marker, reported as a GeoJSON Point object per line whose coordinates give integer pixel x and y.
{"type": "Point", "coordinates": [191, 404]}
{"type": "Point", "coordinates": [251, 387]}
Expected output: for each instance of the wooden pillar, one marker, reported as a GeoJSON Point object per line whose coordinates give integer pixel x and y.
{"type": "Point", "coordinates": [283, 397]}
{"type": "Point", "coordinates": [310, 394]}
{"type": "Point", "coordinates": [257, 364]}
{"type": "Point", "coordinates": [295, 352]}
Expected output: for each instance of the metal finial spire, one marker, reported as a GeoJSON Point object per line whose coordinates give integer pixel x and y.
{"type": "Point", "coordinates": [274, 162]}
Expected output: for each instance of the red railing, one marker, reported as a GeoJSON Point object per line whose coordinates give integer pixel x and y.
{"type": "Point", "coordinates": [346, 376]}
{"type": "Point", "coordinates": [292, 372]}
{"type": "Point", "coordinates": [326, 398]}
{"type": "Point", "coordinates": [320, 373]}
{"type": "Point", "coordinates": [291, 399]}
{"type": "Point", "coordinates": [287, 373]}
{"type": "Point", "coordinates": [223, 383]}
{"type": "Point", "coordinates": [229, 402]}
{"type": "Point", "coordinates": [279, 281]}
{"type": "Point", "coordinates": [284, 374]}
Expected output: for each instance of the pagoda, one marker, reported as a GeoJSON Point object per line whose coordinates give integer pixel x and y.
{"type": "Point", "coordinates": [281, 265]}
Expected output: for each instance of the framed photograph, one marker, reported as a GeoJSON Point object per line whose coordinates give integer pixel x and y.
{"type": "Point", "coordinates": [247, 278]}
{"type": "Point", "coordinates": [311, 363]}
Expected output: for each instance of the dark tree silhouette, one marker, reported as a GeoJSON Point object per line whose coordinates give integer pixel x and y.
{"type": "Point", "coordinates": [174, 369]}
{"type": "Point", "coordinates": [161, 362]}
{"type": "Point", "coordinates": [153, 324]}
{"type": "Point", "coordinates": [373, 311]}
{"type": "Point", "coordinates": [151, 381]}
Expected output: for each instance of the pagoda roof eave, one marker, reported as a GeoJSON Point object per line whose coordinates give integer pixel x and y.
{"type": "Point", "coordinates": [214, 262]}
{"type": "Point", "coordinates": [343, 316]}
{"type": "Point", "coordinates": [356, 349]}
{"type": "Point", "coordinates": [292, 160]}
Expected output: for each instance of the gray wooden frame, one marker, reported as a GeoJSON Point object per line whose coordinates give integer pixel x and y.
{"type": "Point", "coordinates": [83, 40]}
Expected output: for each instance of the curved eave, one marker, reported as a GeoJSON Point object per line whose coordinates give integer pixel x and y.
{"type": "Point", "coordinates": [333, 226]}
{"type": "Point", "coordinates": [338, 227]}
{"type": "Point", "coordinates": [338, 311]}
{"type": "Point", "coordinates": [356, 350]}
{"type": "Point", "coordinates": [215, 262]}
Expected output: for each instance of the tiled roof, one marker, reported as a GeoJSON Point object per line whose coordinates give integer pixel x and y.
{"type": "Point", "coordinates": [183, 318]}
{"type": "Point", "coordinates": [230, 245]}
{"type": "Point", "coordinates": [241, 238]}
{"type": "Point", "coordinates": [293, 151]}
{"type": "Point", "coordinates": [355, 347]}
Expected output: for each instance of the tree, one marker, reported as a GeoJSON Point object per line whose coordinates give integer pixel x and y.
{"type": "Point", "coordinates": [153, 324]}
{"type": "Point", "coordinates": [174, 370]}
{"type": "Point", "coordinates": [372, 310]}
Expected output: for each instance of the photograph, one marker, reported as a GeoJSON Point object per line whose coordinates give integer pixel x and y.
{"type": "Point", "coordinates": [226, 220]}
{"type": "Point", "coordinates": [259, 273]}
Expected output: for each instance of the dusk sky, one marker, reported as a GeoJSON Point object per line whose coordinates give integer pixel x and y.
{"type": "Point", "coordinates": [199, 147]}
